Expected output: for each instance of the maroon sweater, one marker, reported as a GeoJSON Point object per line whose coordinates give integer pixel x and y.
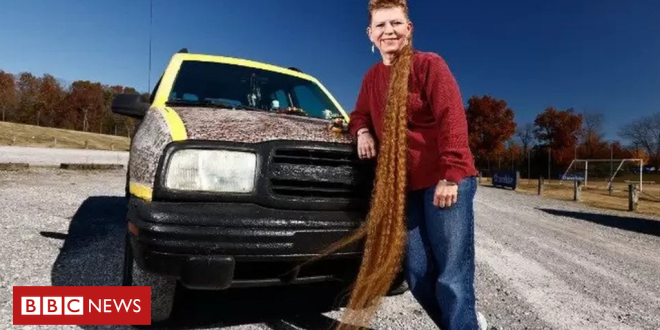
{"type": "Point", "coordinates": [437, 125]}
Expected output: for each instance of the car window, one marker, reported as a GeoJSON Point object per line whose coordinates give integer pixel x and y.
{"type": "Point", "coordinates": [311, 102]}
{"type": "Point", "coordinates": [240, 85]}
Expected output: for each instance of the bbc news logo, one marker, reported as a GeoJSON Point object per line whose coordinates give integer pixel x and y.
{"type": "Point", "coordinates": [74, 305]}
{"type": "Point", "coordinates": [52, 305]}
{"type": "Point", "coordinates": [82, 305]}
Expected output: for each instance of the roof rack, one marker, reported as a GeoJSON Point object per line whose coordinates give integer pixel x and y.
{"type": "Point", "coordinates": [294, 69]}
{"type": "Point", "coordinates": [183, 50]}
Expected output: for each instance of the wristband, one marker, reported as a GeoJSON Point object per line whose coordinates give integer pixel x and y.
{"type": "Point", "coordinates": [362, 132]}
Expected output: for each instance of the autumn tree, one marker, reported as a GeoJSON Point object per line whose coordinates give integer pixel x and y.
{"type": "Point", "coordinates": [559, 130]}
{"type": "Point", "coordinates": [8, 95]}
{"type": "Point", "coordinates": [28, 98]}
{"type": "Point", "coordinates": [490, 123]}
{"type": "Point", "coordinates": [637, 152]}
{"type": "Point", "coordinates": [85, 101]}
{"type": "Point", "coordinates": [593, 144]}
{"type": "Point", "coordinates": [111, 122]}
{"type": "Point", "coordinates": [645, 133]}
{"type": "Point", "coordinates": [49, 98]}
{"type": "Point", "coordinates": [118, 124]}
{"type": "Point", "coordinates": [107, 118]}
{"type": "Point", "coordinates": [594, 148]}
{"type": "Point", "coordinates": [512, 154]}
{"type": "Point", "coordinates": [618, 151]}
{"type": "Point", "coordinates": [47, 101]}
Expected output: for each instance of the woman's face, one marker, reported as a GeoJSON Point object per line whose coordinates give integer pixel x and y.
{"type": "Point", "coordinates": [389, 29]}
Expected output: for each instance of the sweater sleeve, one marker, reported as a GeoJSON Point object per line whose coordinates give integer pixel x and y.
{"type": "Point", "coordinates": [360, 117]}
{"type": "Point", "coordinates": [447, 106]}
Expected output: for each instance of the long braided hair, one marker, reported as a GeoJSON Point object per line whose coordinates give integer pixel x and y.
{"type": "Point", "coordinates": [384, 227]}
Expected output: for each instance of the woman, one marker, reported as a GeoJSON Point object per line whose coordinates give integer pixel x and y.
{"type": "Point", "coordinates": [409, 114]}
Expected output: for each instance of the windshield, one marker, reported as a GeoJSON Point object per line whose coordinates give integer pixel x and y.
{"type": "Point", "coordinates": [219, 84]}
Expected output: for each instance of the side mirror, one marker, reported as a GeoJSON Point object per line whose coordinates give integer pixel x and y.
{"type": "Point", "coordinates": [130, 105]}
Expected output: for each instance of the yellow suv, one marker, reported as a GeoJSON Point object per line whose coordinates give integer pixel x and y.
{"type": "Point", "coordinates": [239, 171]}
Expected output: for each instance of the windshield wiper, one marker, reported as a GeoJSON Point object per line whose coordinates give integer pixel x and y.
{"type": "Point", "coordinates": [211, 103]}
{"type": "Point", "coordinates": [246, 107]}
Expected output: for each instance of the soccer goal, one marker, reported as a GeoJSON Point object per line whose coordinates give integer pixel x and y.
{"type": "Point", "coordinates": [579, 170]}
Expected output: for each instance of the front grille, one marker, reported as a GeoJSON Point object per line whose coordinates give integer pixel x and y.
{"type": "Point", "coordinates": [313, 157]}
{"type": "Point", "coordinates": [313, 189]}
{"type": "Point", "coordinates": [328, 173]}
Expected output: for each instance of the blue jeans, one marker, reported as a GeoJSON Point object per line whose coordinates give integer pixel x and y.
{"type": "Point", "coordinates": [439, 263]}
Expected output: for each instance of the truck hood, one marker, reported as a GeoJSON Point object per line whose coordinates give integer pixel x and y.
{"type": "Point", "coordinates": [253, 126]}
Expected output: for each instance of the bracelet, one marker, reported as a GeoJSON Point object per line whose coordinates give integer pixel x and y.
{"type": "Point", "coordinates": [364, 131]}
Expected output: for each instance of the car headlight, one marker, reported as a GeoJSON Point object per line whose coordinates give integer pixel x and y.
{"type": "Point", "coordinates": [212, 170]}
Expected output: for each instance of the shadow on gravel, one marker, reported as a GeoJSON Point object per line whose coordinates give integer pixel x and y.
{"type": "Point", "coordinates": [92, 255]}
{"type": "Point", "coordinates": [279, 308]}
{"type": "Point", "coordinates": [634, 224]}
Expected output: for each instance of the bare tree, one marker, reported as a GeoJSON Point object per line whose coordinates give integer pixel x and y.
{"type": "Point", "coordinates": [593, 124]}
{"type": "Point", "coordinates": [592, 132]}
{"type": "Point", "coordinates": [526, 135]}
{"type": "Point", "coordinates": [645, 133]}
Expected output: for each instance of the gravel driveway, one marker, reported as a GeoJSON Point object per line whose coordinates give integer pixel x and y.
{"type": "Point", "coordinates": [541, 264]}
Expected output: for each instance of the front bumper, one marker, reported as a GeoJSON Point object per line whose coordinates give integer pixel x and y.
{"type": "Point", "coordinates": [222, 245]}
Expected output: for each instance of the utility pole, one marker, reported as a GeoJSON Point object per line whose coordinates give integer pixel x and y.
{"type": "Point", "coordinates": [529, 167]}
{"type": "Point", "coordinates": [512, 160]}
{"type": "Point", "coordinates": [549, 160]}
{"type": "Point", "coordinates": [151, 18]}
{"type": "Point", "coordinates": [611, 158]}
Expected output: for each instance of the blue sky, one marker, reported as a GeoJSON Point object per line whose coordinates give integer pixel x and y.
{"type": "Point", "coordinates": [595, 55]}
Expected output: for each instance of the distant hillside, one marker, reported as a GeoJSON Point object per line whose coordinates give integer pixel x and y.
{"type": "Point", "coordinates": [35, 136]}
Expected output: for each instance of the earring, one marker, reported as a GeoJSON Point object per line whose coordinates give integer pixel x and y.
{"type": "Point", "coordinates": [373, 50]}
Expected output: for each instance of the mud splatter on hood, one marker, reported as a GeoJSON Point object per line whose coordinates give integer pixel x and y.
{"type": "Point", "coordinates": [253, 126]}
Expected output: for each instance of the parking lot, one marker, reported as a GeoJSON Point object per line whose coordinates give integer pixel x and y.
{"type": "Point", "coordinates": [541, 263]}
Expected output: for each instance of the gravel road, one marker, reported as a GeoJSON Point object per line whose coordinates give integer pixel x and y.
{"type": "Point", "coordinates": [541, 264]}
{"type": "Point", "coordinates": [56, 156]}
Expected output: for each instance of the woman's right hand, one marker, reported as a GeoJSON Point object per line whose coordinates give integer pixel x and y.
{"type": "Point", "coordinates": [365, 145]}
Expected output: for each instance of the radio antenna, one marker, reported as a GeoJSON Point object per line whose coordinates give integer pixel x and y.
{"type": "Point", "coordinates": [151, 18]}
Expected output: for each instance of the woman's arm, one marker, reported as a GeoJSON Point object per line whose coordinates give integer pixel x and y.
{"type": "Point", "coordinates": [447, 106]}
{"type": "Point", "coordinates": [360, 117]}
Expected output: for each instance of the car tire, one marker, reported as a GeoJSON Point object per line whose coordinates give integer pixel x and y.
{"type": "Point", "coordinates": [163, 289]}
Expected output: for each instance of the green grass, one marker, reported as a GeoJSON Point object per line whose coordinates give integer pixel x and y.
{"type": "Point", "coordinates": [35, 136]}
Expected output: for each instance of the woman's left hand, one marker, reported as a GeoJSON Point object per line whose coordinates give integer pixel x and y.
{"type": "Point", "coordinates": [446, 194]}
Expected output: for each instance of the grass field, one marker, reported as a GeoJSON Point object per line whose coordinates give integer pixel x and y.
{"type": "Point", "coordinates": [35, 136]}
{"type": "Point", "coordinates": [596, 193]}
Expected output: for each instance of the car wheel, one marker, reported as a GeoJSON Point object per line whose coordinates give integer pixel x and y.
{"type": "Point", "coordinates": [163, 289]}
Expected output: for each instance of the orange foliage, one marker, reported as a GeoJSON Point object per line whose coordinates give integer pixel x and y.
{"type": "Point", "coordinates": [515, 151]}
{"type": "Point", "coordinates": [639, 153]}
{"type": "Point", "coordinates": [559, 130]}
{"type": "Point", "coordinates": [490, 124]}
{"type": "Point", "coordinates": [8, 95]}
{"type": "Point", "coordinates": [44, 101]}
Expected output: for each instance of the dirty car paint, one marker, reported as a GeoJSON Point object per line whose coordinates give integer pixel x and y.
{"type": "Point", "coordinates": [221, 125]}
{"type": "Point", "coordinates": [253, 127]}
{"type": "Point", "coordinates": [147, 147]}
